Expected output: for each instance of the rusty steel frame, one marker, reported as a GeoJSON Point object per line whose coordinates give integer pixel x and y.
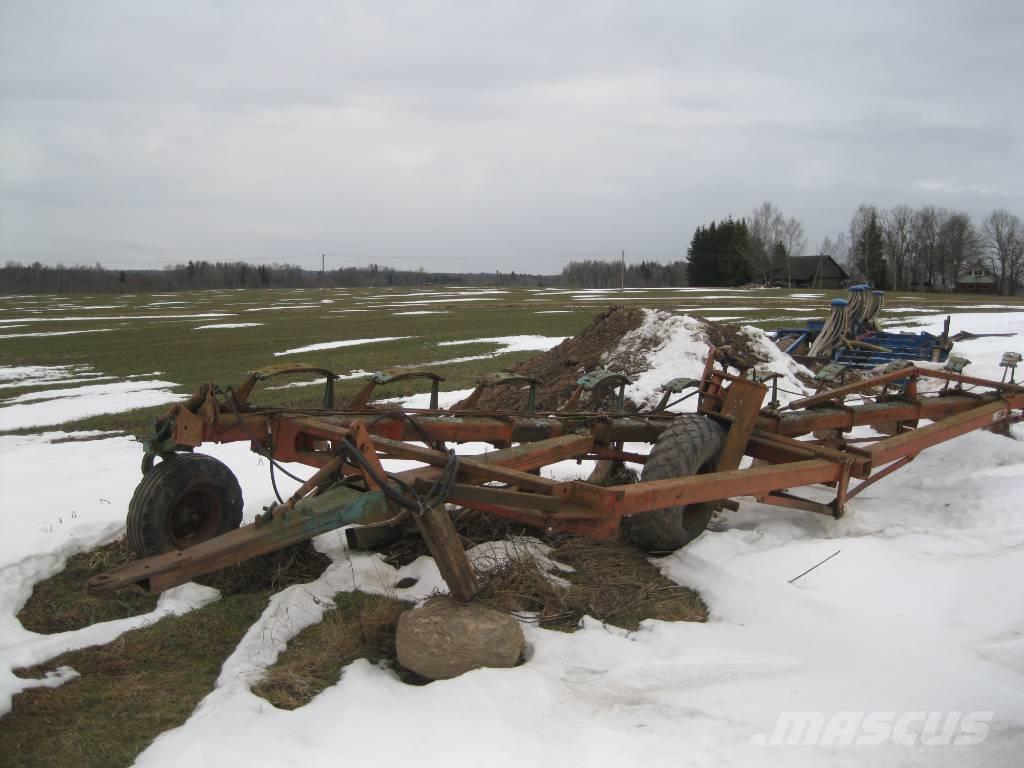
{"type": "Point", "coordinates": [526, 442]}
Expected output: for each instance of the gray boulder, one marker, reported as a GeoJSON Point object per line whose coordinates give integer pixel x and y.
{"type": "Point", "coordinates": [444, 638]}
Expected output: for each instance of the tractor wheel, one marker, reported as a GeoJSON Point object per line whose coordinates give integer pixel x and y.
{"type": "Point", "coordinates": [688, 447]}
{"type": "Point", "coordinates": [181, 502]}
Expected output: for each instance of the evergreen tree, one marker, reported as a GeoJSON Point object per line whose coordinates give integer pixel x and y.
{"type": "Point", "coordinates": [868, 253]}
{"type": "Point", "coordinates": [716, 254]}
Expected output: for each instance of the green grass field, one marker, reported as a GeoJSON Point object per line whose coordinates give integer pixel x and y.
{"type": "Point", "coordinates": [119, 336]}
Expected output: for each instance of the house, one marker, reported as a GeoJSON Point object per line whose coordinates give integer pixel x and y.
{"type": "Point", "coordinates": [819, 271]}
{"type": "Point", "coordinates": [977, 279]}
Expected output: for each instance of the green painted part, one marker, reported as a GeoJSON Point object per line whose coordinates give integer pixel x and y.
{"type": "Point", "coordinates": [337, 507]}
{"type": "Point", "coordinates": [678, 385]}
{"type": "Point", "coordinates": [594, 379]}
{"type": "Point", "coordinates": [504, 377]}
{"type": "Point", "coordinates": [956, 364]}
{"type": "Point", "coordinates": [329, 393]}
{"type": "Point", "coordinates": [500, 378]}
{"type": "Point", "coordinates": [830, 372]}
{"type": "Point", "coordinates": [386, 377]}
{"type": "Point", "coordinates": [897, 365]}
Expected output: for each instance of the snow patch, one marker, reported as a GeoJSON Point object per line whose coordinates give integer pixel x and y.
{"type": "Point", "coordinates": [48, 407]}
{"type": "Point", "coordinates": [512, 343]}
{"type": "Point", "coordinates": [226, 325]}
{"type": "Point", "coordinates": [339, 344]}
{"type": "Point", "coordinates": [53, 333]}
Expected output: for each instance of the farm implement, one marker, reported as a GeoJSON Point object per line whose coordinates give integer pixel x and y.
{"type": "Point", "coordinates": [184, 519]}
{"type": "Point", "coordinates": [852, 336]}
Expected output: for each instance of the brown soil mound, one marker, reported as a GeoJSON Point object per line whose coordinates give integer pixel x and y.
{"type": "Point", "coordinates": [731, 337]}
{"type": "Point", "coordinates": [559, 368]}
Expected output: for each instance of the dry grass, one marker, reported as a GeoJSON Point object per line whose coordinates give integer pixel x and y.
{"type": "Point", "coordinates": [297, 564]}
{"type": "Point", "coordinates": [129, 692]}
{"type": "Point", "coordinates": [362, 626]}
{"type": "Point", "coordinates": [60, 603]}
{"type": "Point", "coordinates": [610, 581]}
{"type": "Point", "coordinates": [473, 528]}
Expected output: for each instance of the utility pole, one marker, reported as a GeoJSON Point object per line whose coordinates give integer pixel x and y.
{"type": "Point", "coordinates": [622, 272]}
{"type": "Point", "coordinates": [323, 283]}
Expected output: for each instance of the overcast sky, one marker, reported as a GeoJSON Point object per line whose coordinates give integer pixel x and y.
{"type": "Point", "coordinates": [483, 136]}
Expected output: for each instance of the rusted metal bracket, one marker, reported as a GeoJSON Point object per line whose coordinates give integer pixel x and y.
{"type": "Point", "coordinates": [594, 381]}
{"type": "Point", "coordinates": [502, 379]}
{"type": "Point", "coordinates": [362, 398]}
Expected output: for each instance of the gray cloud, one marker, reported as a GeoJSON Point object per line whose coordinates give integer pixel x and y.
{"type": "Point", "coordinates": [487, 136]}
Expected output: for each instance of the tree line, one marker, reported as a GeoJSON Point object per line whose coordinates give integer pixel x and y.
{"type": "Point", "coordinates": [593, 273]}
{"type": "Point", "coordinates": [900, 248]}
{"type": "Point", "coordinates": [17, 278]}
{"type": "Point", "coordinates": [929, 248]}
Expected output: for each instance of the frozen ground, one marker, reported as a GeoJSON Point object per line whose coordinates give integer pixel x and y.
{"type": "Point", "coordinates": [920, 612]}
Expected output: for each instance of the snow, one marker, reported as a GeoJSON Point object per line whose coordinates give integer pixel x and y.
{"type": "Point", "coordinates": [421, 312]}
{"type": "Point", "coordinates": [920, 610]}
{"type": "Point", "coordinates": [338, 344]}
{"type": "Point", "coordinates": [984, 353]}
{"type": "Point", "coordinates": [677, 348]}
{"type": "Point", "coordinates": [30, 375]}
{"type": "Point", "coordinates": [226, 325]}
{"type": "Point", "coordinates": [52, 333]}
{"type": "Point", "coordinates": [48, 407]}
{"type": "Point", "coordinates": [512, 343]}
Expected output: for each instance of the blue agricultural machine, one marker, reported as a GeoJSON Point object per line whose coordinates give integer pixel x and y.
{"type": "Point", "coordinates": [851, 336]}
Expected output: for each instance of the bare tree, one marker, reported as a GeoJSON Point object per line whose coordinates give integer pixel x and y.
{"type": "Point", "coordinates": [898, 236]}
{"type": "Point", "coordinates": [766, 226]}
{"type": "Point", "coordinates": [1004, 246]}
{"type": "Point", "coordinates": [773, 239]}
{"type": "Point", "coordinates": [859, 224]}
{"type": "Point", "coordinates": [793, 238]}
{"type": "Point", "coordinates": [924, 248]}
{"type": "Point", "coordinates": [838, 248]}
{"type": "Point", "coordinates": [960, 246]}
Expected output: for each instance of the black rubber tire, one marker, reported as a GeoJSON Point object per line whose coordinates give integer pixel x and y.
{"type": "Point", "coordinates": [181, 502]}
{"type": "Point", "coordinates": [688, 447]}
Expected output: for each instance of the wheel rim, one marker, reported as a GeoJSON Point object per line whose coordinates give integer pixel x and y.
{"type": "Point", "coordinates": [195, 518]}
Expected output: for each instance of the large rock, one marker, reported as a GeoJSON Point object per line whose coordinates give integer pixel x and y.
{"type": "Point", "coordinates": [444, 638]}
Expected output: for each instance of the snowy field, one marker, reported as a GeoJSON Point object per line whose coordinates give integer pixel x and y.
{"type": "Point", "coordinates": [911, 637]}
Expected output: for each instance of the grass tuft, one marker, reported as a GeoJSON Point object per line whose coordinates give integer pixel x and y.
{"type": "Point", "coordinates": [610, 581]}
{"type": "Point", "coordinates": [61, 604]}
{"type": "Point", "coordinates": [361, 626]}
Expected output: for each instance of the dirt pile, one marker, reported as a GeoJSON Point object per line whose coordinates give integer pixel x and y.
{"type": "Point", "coordinates": [560, 367]}
{"type": "Point", "coordinates": [622, 340]}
